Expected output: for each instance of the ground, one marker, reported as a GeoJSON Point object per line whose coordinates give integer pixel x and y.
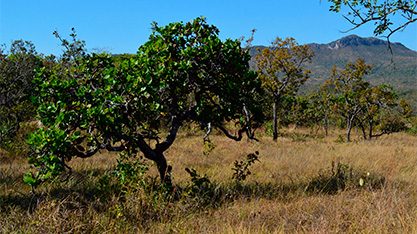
{"type": "Point", "coordinates": [274, 198]}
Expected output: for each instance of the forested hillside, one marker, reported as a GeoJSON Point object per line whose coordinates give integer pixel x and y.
{"type": "Point", "coordinates": [397, 67]}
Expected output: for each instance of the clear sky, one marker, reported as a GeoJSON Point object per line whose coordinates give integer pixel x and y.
{"type": "Point", "coordinates": [122, 26]}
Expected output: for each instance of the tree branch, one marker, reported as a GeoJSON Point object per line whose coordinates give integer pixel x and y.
{"type": "Point", "coordinates": [237, 137]}
{"type": "Point", "coordinates": [169, 140]}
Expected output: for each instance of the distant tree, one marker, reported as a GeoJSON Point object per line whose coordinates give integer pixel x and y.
{"type": "Point", "coordinates": [184, 73]}
{"type": "Point", "coordinates": [280, 68]}
{"type": "Point", "coordinates": [17, 70]}
{"type": "Point", "coordinates": [323, 103]}
{"type": "Point", "coordinates": [406, 109]}
{"type": "Point", "coordinates": [380, 13]}
{"type": "Point", "coordinates": [374, 100]}
{"type": "Point", "coordinates": [348, 87]}
{"type": "Point", "coordinates": [311, 110]}
{"type": "Point", "coordinates": [362, 105]}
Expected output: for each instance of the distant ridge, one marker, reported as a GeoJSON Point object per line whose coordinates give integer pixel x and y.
{"type": "Point", "coordinates": [399, 68]}
{"type": "Point", "coordinates": [354, 40]}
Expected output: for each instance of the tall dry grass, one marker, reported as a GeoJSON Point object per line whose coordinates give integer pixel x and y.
{"type": "Point", "coordinates": [273, 199]}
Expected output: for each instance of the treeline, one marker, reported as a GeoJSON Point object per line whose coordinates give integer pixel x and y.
{"type": "Point", "coordinates": [346, 100]}
{"type": "Point", "coordinates": [80, 103]}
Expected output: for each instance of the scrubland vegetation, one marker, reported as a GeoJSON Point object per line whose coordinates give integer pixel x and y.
{"type": "Point", "coordinates": [188, 137]}
{"type": "Point", "coordinates": [293, 188]}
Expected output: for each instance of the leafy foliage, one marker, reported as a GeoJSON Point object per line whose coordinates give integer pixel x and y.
{"type": "Point", "coordinates": [17, 70]}
{"type": "Point", "coordinates": [281, 71]}
{"type": "Point", "coordinates": [241, 168]}
{"type": "Point", "coordinates": [184, 73]}
{"type": "Point", "coordinates": [349, 87]}
{"type": "Point", "coordinates": [130, 171]}
{"type": "Point", "coordinates": [363, 105]}
{"type": "Point", "coordinates": [74, 48]}
{"type": "Point", "coordinates": [381, 13]}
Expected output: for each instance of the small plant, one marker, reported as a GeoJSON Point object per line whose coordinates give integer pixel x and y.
{"type": "Point", "coordinates": [241, 168]}
{"type": "Point", "coordinates": [201, 191]}
{"type": "Point", "coordinates": [268, 128]}
{"type": "Point", "coordinates": [129, 174]}
{"type": "Point", "coordinates": [299, 137]}
{"type": "Point", "coordinates": [209, 146]}
{"type": "Point", "coordinates": [340, 139]}
{"type": "Point", "coordinates": [413, 126]}
{"type": "Point", "coordinates": [198, 183]}
{"type": "Point", "coordinates": [342, 177]}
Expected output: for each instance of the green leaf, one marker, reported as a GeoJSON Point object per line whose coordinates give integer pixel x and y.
{"type": "Point", "coordinates": [28, 179]}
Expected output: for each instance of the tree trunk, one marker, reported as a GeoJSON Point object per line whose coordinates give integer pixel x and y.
{"type": "Point", "coordinates": [161, 163]}
{"type": "Point", "coordinates": [275, 119]}
{"type": "Point", "coordinates": [349, 129]}
{"type": "Point", "coordinates": [371, 129]}
{"type": "Point", "coordinates": [363, 132]}
{"type": "Point", "coordinates": [326, 125]}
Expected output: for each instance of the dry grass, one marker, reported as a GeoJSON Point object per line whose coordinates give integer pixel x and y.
{"type": "Point", "coordinates": [273, 199]}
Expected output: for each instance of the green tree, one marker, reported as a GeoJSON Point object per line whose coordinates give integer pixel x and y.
{"type": "Point", "coordinates": [184, 73]}
{"type": "Point", "coordinates": [381, 13]}
{"type": "Point", "coordinates": [73, 49]}
{"type": "Point", "coordinates": [362, 105]}
{"type": "Point", "coordinates": [323, 102]}
{"type": "Point", "coordinates": [17, 70]}
{"type": "Point", "coordinates": [280, 68]}
{"type": "Point", "coordinates": [314, 110]}
{"type": "Point", "coordinates": [348, 87]}
{"type": "Point", "coordinates": [374, 101]}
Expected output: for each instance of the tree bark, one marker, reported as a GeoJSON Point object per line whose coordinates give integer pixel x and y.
{"type": "Point", "coordinates": [349, 129]}
{"type": "Point", "coordinates": [371, 129]}
{"type": "Point", "coordinates": [326, 125]}
{"type": "Point", "coordinates": [363, 131]}
{"type": "Point", "coordinates": [275, 121]}
{"type": "Point", "coordinates": [162, 165]}
{"type": "Point", "coordinates": [156, 155]}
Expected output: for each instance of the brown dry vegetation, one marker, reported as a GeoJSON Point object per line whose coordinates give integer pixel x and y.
{"type": "Point", "coordinates": [273, 199]}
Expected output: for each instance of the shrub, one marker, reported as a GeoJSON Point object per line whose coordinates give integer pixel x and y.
{"type": "Point", "coordinates": [201, 191]}
{"type": "Point", "coordinates": [241, 168]}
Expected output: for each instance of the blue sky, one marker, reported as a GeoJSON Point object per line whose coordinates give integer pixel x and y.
{"type": "Point", "coordinates": [122, 26]}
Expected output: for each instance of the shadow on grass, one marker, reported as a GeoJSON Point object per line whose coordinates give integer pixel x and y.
{"type": "Point", "coordinates": [84, 189]}
{"type": "Point", "coordinates": [80, 187]}
{"type": "Point", "coordinates": [9, 179]}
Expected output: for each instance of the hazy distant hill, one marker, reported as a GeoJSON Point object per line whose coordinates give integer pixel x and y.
{"type": "Point", "coordinates": [398, 69]}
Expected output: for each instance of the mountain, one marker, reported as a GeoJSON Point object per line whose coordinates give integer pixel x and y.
{"type": "Point", "coordinates": [399, 68]}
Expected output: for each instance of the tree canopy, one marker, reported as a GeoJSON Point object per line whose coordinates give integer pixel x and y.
{"type": "Point", "coordinates": [184, 73]}
{"type": "Point", "coordinates": [363, 105]}
{"type": "Point", "coordinates": [280, 68]}
{"type": "Point", "coordinates": [17, 70]}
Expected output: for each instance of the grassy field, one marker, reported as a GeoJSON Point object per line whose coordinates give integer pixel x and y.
{"type": "Point", "coordinates": [290, 190]}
